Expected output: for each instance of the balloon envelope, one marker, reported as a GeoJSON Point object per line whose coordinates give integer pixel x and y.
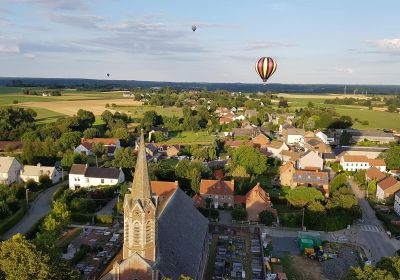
{"type": "Point", "coordinates": [265, 68]}
{"type": "Point", "coordinates": [194, 27]}
{"type": "Point", "coordinates": [108, 75]}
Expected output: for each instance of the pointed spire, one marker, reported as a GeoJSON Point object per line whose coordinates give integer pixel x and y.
{"type": "Point", "coordinates": [141, 184]}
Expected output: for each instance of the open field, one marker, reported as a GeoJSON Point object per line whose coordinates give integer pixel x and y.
{"type": "Point", "coordinates": [46, 116]}
{"type": "Point", "coordinates": [70, 108]}
{"type": "Point", "coordinates": [324, 96]}
{"type": "Point", "coordinates": [376, 119]}
{"type": "Point", "coordinates": [188, 137]}
{"type": "Point", "coordinates": [138, 111]}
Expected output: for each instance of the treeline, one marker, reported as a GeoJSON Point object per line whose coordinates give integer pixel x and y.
{"type": "Point", "coordinates": [41, 92]}
{"type": "Point", "coordinates": [351, 101]}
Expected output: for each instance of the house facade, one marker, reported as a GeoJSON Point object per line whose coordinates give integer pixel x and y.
{"type": "Point", "coordinates": [261, 140]}
{"type": "Point", "coordinates": [396, 205]}
{"type": "Point", "coordinates": [33, 172]}
{"type": "Point", "coordinates": [387, 187]}
{"type": "Point", "coordinates": [257, 201]}
{"type": "Point", "coordinates": [294, 136]}
{"type": "Point", "coordinates": [286, 172]}
{"type": "Point", "coordinates": [276, 147]}
{"type": "Point", "coordinates": [84, 176]}
{"type": "Point", "coordinates": [111, 144]}
{"type": "Point", "coordinates": [9, 170]}
{"type": "Point", "coordinates": [324, 138]}
{"type": "Point", "coordinates": [310, 160]}
{"type": "Point", "coordinates": [355, 163]}
{"type": "Point", "coordinates": [220, 192]}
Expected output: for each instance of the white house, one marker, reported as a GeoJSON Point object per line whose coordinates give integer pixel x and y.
{"type": "Point", "coordinates": [324, 138]}
{"type": "Point", "coordinates": [111, 144]}
{"type": "Point", "coordinates": [387, 187]}
{"type": "Point", "coordinates": [9, 170]}
{"type": "Point", "coordinates": [84, 176]}
{"type": "Point", "coordinates": [294, 136]}
{"type": "Point", "coordinates": [396, 205]}
{"type": "Point", "coordinates": [355, 163]}
{"type": "Point", "coordinates": [33, 172]}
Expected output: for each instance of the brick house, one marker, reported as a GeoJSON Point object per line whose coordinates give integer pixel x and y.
{"type": "Point", "coordinates": [219, 191]}
{"type": "Point", "coordinates": [258, 200]}
{"type": "Point", "coordinates": [387, 187]}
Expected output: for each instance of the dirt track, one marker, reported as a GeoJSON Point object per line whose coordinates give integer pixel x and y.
{"type": "Point", "coordinates": [71, 107]}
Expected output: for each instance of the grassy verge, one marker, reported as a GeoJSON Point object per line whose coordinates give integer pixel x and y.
{"type": "Point", "coordinates": [9, 222]}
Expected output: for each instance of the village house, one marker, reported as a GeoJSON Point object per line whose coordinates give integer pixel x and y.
{"type": "Point", "coordinates": [387, 187]}
{"type": "Point", "coordinates": [355, 163]}
{"type": "Point", "coordinates": [261, 141]}
{"type": "Point", "coordinates": [169, 151]}
{"type": "Point", "coordinates": [286, 172]}
{"type": "Point", "coordinates": [325, 138]}
{"type": "Point", "coordinates": [250, 113]}
{"type": "Point", "coordinates": [286, 156]}
{"type": "Point", "coordinates": [315, 144]}
{"type": "Point", "coordinates": [9, 170]}
{"type": "Point", "coordinates": [276, 147]}
{"type": "Point", "coordinates": [294, 136]}
{"type": "Point", "coordinates": [247, 131]}
{"type": "Point", "coordinates": [153, 130]}
{"type": "Point", "coordinates": [310, 161]}
{"type": "Point", "coordinates": [84, 176]}
{"type": "Point", "coordinates": [394, 172]}
{"type": "Point", "coordinates": [256, 201]}
{"type": "Point", "coordinates": [317, 179]}
{"type": "Point", "coordinates": [371, 135]}
{"type": "Point", "coordinates": [220, 192]}
{"type": "Point", "coordinates": [33, 172]}
{"type": "Point", "coordinates": [374, 174]}
{"type": "Point", "coordinates": [111, 144]}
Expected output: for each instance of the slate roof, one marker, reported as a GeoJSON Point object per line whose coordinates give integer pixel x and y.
{"type": "Point", "coordinates": [182, 230]}
{"type": "Point", "coordinates": [5, 164]}
{"type": "Point", "coordinates": [95, 172]}
{"type": "Point", "coordinates": [311, 177]}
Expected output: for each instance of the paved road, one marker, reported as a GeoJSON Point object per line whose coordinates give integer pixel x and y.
{"type": "Point", "coordinates": [370, 233]}
{"type": "Point", "coordinates": [39, 208]}
{"type": "Point", "coordinates": [108, 209]}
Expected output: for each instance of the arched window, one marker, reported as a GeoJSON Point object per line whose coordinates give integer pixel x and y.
{"type": "Point", "coordinates": [136, 233]}
{"type": "Point", "coordinates": [126, 232]}
{"type": "Point", "coordinates": [149, 232]}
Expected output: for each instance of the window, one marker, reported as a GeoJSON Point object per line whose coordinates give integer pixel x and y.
{"type": "Point", "coordinates": [136, 233]}
{"type": "Point", "coordinates": [102, 181]}
{"type": "Point", "coordinates": [149, 232]}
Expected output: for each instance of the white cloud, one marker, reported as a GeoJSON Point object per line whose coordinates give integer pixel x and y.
{"type": "Point", "coordinates": [56, 4]}
{"type": "Point", "coordinates": [8, 45]}
{"type": "Point", "coordinates": [345, 70]}
{"type": "Point", "coordinates": [388, 45]}
{"type": "Point", "coordinates": [29, 55]}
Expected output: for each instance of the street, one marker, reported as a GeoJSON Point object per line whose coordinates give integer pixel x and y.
{"type": "Point", "coordinates": [369, 232]}
{"type": "Point", "coordinates": [39, 208]}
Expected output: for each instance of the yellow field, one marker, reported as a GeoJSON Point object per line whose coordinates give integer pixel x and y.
{"type": "Point", "coordinates": [70, 108]}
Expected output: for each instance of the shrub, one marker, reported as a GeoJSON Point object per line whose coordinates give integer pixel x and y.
{"type": "Point", "coordinates": [15, 101]}
{"type": "Point", "coordinates": [209, 212]}
{"type": "Point", "coordinates": [266, 217]}
{"type": "Point", "coordinates": [45, 181]}
{"type": "Point", "coordinates": [32, 185]}
{"type": "Point", "coordinates": [104, 219]}
{"type": "Point", "coordinates": [4, 210]}
{"type": "Point", "coordinates": [81, 218]}
{"type": "Point", "coordinates": [12, 220]}
{"type": "Point", "coordinates": [83, 205]}
{"type": "Point", "coordinates": [239, 214]}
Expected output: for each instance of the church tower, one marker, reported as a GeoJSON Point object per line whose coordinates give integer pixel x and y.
{"type": "Point", "coordinates": [140, 213]}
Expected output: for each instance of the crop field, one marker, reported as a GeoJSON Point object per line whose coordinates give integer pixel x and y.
{"type": "Point", "coordinates": [376, 119]}
{"type": "Point", "coordinates": [46, 116]}
{"type": "Point", "coordinates": [138, 111]}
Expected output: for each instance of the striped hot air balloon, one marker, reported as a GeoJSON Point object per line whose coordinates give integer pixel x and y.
{"type": "Point", "coordinates": [265, 67]}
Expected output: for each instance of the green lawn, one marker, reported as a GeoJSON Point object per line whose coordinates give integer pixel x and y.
{"type": "Point", "coordinates": [138, 111]}
{"type": "Point", "coordinates": [302, 102]}
{"type": "Point", "coordinates": [376, 119]}
{"type": "Point", "coordinates": [7, 99]}
{"type": "Point", "coordinates": [10, 89]}
{"type": "Point", "coordinates": [190, 137]}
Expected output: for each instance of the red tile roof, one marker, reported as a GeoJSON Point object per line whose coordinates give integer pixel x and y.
{"type": "Point", "coordinates": [105, 141]}
{"type": "Point", "coordinates": [240, 199]}
{"type": "Point", "coordinates": [285, 167]}
{"type": "Point", "coordinates": [377, 162]}
{"type": "Point", "coordinates": [374, 173]}
{"type": "Point", "coordinates": [259, 192]}
{"type": "Point", "coordinates": [217, 187]}
{"type": "Point", "coordinates": [387, 183]}
{"type": "Point", "coordinates": [163, 188]}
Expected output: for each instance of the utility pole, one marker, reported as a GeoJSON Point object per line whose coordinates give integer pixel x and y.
{"type": "Point", "coordinates": [302, 220]}
{"type": "Point", "coordinates": [27, 198]}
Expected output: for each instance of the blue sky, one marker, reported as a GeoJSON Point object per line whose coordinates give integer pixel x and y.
{"type": "Point", "coordinates": [313, 41]}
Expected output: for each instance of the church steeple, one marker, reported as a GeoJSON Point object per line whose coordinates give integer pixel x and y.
{"type": "Point", "coordinates": [141, 184]}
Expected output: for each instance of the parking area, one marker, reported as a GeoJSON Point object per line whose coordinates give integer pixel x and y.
{"type": "Point", "coordinates": [282, 246]}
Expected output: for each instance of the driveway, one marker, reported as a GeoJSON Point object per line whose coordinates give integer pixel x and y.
{"type": "Point", "coordinates": [369, 232]}
{"type": "Point", "coordinates": [108, 209]}
{"type": "Point", "coordinates": [39, 208]}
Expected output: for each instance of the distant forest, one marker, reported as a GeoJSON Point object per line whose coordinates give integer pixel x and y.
{"type": "Point", "coordinates": [91, 84]}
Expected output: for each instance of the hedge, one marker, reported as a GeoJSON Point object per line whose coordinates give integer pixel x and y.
{"type": "Point", "coordinates": [81, 218]}
{"type": "Point", "coordinates": [103, 219]}
{"type": "Point", "coordinates": [58, 193]}
{"type": "Point", "coordinates": [9, 222]}
{"type": "Point", "coordinates": [34, 229]}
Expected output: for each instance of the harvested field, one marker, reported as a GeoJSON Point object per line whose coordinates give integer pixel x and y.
{"type": "Point", "coordinates": [71, 107]}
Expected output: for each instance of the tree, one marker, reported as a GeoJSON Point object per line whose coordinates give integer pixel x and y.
{"type": "Point", "coordinates": [31, 185]}
{"type": "Point", "coordinates": [45, 181]}
{"type": "Point", "coordinates": [315, 213]}
{"type": "Point", "coordinates": [69, 140]}
{"type": "Point", "coordinates": [4, 210]}
{"type": "Point", "coordinates": [387, 268]}
{"type": "Point", "coordinates": [250, 158]}
{"type": "Point", "coordinates": [151, 118]}
{"type": "Point", "coordinates": [124, 158]}
{"type": "Point", "coordinates": [90, 133]}
{"type": "Point", "coordinates": [121, 133]}
{"type": "Point", "coordinates": [85, 119]}
{"type": "Point", "coordinates": [69, 158]}
{"type": "Point", "coordinates": [158, 136]}
{"type": "Point", "coordinates": [283, 103]}
{"type": "Point", "coordinates": [21, 260]}
{"type": "Point", "coordinates": [338, 182]}
{"type": "Point", "coordinates": [302, 196]}
{"type": "Point", "coordinates": [99, 149]}
{"type": "Point", "coordinates": [239, 214]}
{"type": "Point", "coordinates": [372, 188]}
{"type": "Point", "coordinates": [345, 138]}
{"type": "Point", "coordinates": [195, 177]}
{"type": "Point", "coordinates": [392, 157]}
{"type": "Point", "coordinates": [266, 218]}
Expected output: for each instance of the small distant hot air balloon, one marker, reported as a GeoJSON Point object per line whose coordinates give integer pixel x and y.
{"type": "Point", "coordinates": [194, 27]}
{"type": "Point", "coordinates": [265, 68]}
{"type": "Point", "coordinates": [108, 74]}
